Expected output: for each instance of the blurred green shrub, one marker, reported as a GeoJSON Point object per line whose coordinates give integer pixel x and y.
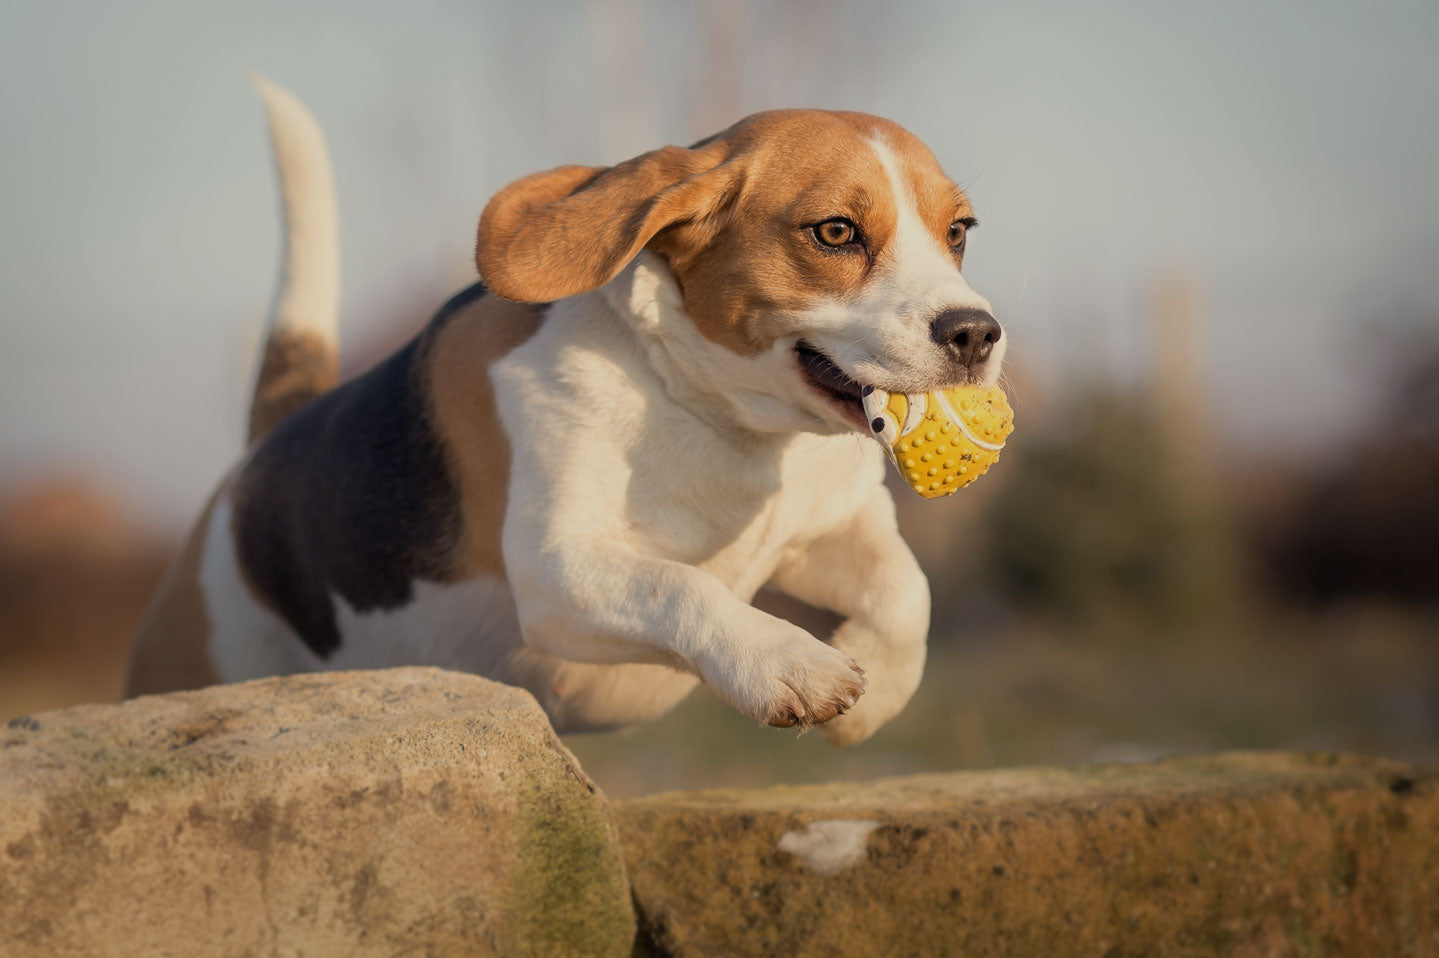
{"type": "Point", "coordinates": [1099, 517]}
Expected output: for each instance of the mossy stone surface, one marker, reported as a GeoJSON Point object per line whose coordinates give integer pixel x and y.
{"type": "Point", "coordinates": [409, 811]}
{"type": "Point", "coordinates": [1239, 854]}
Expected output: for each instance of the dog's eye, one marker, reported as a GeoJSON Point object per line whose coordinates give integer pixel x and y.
{"type": "Point", "coordinates": [957, 231]}
{"type": "Point", "coordinates": [836, 232]}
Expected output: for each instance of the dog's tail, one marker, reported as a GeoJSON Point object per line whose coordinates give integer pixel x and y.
{"type": "Point", "coordinates": [301, 357]}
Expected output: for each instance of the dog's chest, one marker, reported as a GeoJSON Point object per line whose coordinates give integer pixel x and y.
{"type": "Point", "coordinates": [733, 511]}
{"type": "Point", "coordinates": [603, 448]}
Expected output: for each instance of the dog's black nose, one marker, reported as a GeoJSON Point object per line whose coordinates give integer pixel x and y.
{"type": "Point", "coordinates": [970, 333]}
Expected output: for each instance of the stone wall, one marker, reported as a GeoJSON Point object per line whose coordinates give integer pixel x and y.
{"type": "Point", "coordinates": [410, 811]}
{"type": "Point", "coordinates": [421, 812]}
{"type": "Point", "coordinates": [1240, 854]}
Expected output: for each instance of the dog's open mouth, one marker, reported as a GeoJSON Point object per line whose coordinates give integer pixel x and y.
{"type": "Point", "coordinates": [826, 378]}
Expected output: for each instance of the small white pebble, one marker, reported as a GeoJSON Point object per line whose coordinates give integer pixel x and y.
{"type": "Point", "coordinates": [829, 846]}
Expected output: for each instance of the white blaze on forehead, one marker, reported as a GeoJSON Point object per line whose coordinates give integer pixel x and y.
{"type": "Point", "coordinates": [920, 271]}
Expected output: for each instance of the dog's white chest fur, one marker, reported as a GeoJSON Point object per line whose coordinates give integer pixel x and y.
{"type": "Point", "coordinates": [627, 433]}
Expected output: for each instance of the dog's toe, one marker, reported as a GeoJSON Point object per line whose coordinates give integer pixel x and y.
{"type": "Point", "coordinates": [784, 715]}
{"type": "Point", "coordinates": [826, 688]}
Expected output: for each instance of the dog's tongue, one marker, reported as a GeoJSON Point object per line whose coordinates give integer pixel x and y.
{"type": "Point", "coordinates": [943, 440]}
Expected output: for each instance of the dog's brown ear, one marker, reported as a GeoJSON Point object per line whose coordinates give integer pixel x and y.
{"type": "Point", "coordinates": [572, 229]}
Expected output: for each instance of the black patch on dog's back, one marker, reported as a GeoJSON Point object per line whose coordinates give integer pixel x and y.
{"type": "Point", "coordinates": [351, 496]}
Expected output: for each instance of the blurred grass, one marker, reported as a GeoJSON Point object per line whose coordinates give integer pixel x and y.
{"type": "Point", "coordinates": [1363, 679]}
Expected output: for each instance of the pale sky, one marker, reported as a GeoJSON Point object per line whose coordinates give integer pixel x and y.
{"type": "Point", "coordinates": [1282, 153]}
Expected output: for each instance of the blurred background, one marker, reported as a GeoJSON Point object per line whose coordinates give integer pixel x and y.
{"type": "Point", "coordinates": [1211, 231]}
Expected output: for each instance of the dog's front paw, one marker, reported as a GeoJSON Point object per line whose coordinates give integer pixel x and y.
{"type": "Point", "coordinates": [788, 678]}
{"type": "Point", "coordinates": [810, 685]}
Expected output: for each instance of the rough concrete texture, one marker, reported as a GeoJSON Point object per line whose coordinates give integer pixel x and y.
{"type": "Point", "coordinates": [405, 812]}
{"type": "Point", "coordinates": [1243, 854]}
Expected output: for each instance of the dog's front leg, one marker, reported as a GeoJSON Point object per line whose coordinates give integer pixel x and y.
{"type": "Point", "coordinates": [597, 601]}
{"type": "Point", "coordinates": [864, 571]}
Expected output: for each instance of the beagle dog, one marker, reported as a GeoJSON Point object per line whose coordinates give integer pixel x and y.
{"type": "Point", "coordinates": [577, 476]}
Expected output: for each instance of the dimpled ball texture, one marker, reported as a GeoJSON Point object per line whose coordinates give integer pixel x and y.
{"type": "Point", "coordinates": [940, 441]}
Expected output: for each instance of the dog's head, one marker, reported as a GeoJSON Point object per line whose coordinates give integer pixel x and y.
{"type": "Point", "coordinates": [815, 253]}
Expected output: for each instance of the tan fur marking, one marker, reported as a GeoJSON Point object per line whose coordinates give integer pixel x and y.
{"type": "Point", "coordinates": [572, 229]}
{"type": "Point", "coordinates": [731, 216]}
{"type": "Point", "coordinates": [170, 648]}
{"type": "Point", "coordinates": [463, 409]}
{"type": "Point", "coordinates": [297, 367]}
{"type": "Point", "coordinates": [762, 264]}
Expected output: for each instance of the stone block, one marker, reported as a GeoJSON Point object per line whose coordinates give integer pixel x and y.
{"type": "Point", "coordinates": [409, 811]}
{"type": "Point", "coordinates": [1238, 854]}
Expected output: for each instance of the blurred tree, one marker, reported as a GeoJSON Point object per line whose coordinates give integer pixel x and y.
{"type": "Point", "coordinates": [1119, 509]}
{"type": "Point", "coordinates": [76, 569]}
{"type": "Point", "coordinates": [1097, 518]}
{"type": "Point", "coordinates": [1368, 526]}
